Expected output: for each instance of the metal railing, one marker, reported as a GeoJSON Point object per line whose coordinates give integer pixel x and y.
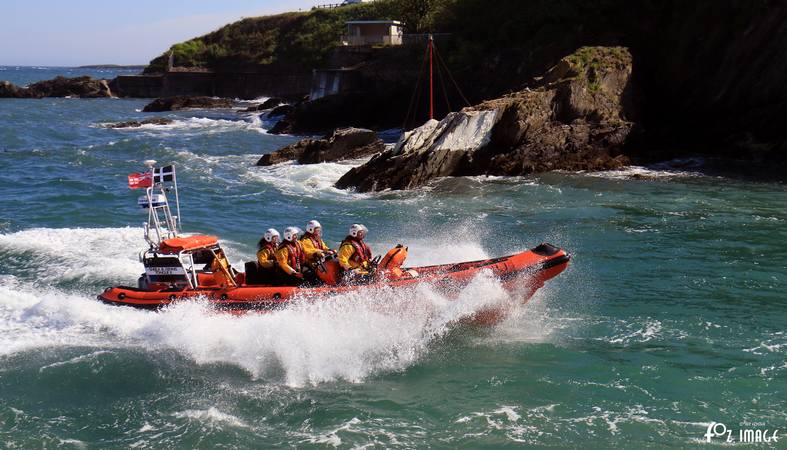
{"type": "Point", "coordinates": [329, 6]}
{"type": "Point", "coordinates": [396, 39]}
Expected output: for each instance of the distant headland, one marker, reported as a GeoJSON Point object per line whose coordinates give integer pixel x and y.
{"type": "Point", "coordinates": [113, 66]}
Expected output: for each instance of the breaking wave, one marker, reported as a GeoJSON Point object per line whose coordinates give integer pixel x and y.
{"type": "Point", "coordinates": [203, 125]}
{"type": "Point", "coordinates": [50, 255]}
{"type": "Point", "coordinates": [676, 168]}
{"type": "Point", "coordinates": [307, 180]}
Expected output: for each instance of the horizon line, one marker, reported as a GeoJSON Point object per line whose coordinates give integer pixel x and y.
{"type": "Point", "coordinates": [79, 66]}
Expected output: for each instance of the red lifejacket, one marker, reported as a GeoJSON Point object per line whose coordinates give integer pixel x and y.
{"type": "Point", "coordinates": [295, 253]}
{"type": "Point", "coordinates": [362, 252]}
{"type": "Point", "coordinates": [269, 246]}
{"type": "Point", "coordinates": [317, 243]}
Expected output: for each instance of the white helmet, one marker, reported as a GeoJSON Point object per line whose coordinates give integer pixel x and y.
{"type": "Point", "coordinates": [271, 233]}
{"type": "Point", "coordinates": [312, 225]}
{"type": "Point", "coordinates": [291, 233]}
{"type": "Point", "coordinates": [357, 228]}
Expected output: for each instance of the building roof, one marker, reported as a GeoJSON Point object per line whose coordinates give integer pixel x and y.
{"type": "Point", "coordinates": [374, 22]}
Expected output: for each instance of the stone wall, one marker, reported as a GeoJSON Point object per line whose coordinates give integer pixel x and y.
{"type": "Point", "coordinates": [230, 85]}
{"type": "Point", "coordinates": [138, 86]}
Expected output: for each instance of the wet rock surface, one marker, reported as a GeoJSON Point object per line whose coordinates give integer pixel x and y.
{"type": "Point", "coordinates": [187, 102]}
{"type": "Point", "coordinates": [270, 103]}
{"type": "Point", "coordinates": [373, 110]}
{"type": "Point", "coordinates": [281, 110]}
{"type": "Point", "coordinates": [343, 143]}
{"type": "Point", "coordinates": [139, 123]}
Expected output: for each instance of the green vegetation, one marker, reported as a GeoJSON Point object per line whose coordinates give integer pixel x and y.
{"type": "Point", "coordinates": [592, 61]}
{"type": "Point", "coordinates": [296, 40]}
{"type": "Point", "coordinates": [586, 61]}
{"type": "Point", "coordinates": [494, 46]}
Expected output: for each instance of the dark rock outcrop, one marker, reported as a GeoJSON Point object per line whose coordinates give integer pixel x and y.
{"type": "Point", "coordinates": [187, 102]}
{"type": "Point", "coordinates": [281, 110]}
{"type": "Point", "coordinates": [376, 110]}
{"type": "Point", "coordinates": [578, 117]}
{"type": "Point", "coordinates": [82, 87]}
{"type": "Point", "coordinates": [270, 103]}
{"type": "Point", "coordinates": [139, 123]}
{"type": "Point", "coordinates": [344, 143]}
{"type": "Point", "coordinates": [10, 90]}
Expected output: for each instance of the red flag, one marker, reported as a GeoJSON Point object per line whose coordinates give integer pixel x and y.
{"type": "Point", "coordinates": [140, 180]}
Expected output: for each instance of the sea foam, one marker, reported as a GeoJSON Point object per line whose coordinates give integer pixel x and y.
{"type": "Point", "coordinates": [308, 180]}
{"type": "Point", "coordinates": [348, 337]}
{"type": "Point", "coordinates": [202, 125]}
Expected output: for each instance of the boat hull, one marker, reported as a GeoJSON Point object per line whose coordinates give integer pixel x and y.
{"type": "Point", "coordinates": [523, 272]}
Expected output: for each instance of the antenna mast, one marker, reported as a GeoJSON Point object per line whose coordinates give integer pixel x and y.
{"type": "Point", "coordinates": [431, 77]}
{"type": "Point", "coordinates": [161, 224]}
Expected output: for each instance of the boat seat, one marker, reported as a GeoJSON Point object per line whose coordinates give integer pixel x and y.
{"type": "Point", "coordinates": [255, 276]}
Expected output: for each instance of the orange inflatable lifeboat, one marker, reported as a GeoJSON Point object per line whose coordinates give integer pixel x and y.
{"type": "Point", "coordinates": [185, 268]}
{"type": "Point", "coordinates": [179, 268]}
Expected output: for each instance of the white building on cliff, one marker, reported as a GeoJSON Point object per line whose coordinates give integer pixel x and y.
{"type": "Point", "coordinates": [373, 32]}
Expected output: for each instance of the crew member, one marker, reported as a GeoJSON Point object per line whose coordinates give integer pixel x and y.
{"type": "Point", "coordinates": [290, 257]}
{"type": "Point", "coordinates": [354, 255]}
{"type": "Point", "coordinates": [265, 272]}
{"type": "Point", "coordinates": [313, 245]}
{"type": "Point", "coordinates": [266, 249]}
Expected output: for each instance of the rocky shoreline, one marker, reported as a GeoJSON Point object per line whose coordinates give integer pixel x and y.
{"type": "Point", "coordinates": [186, 102]}
{"type": "Point", "coordinates": [139, 123]}
{"type": "Point", "coordinates": [342, 144]}
{"type": "Point", "coordinates": [77, 87]}
{"type": "Point", "coordinates": [662, 80]}
{"type": "Point", "coordinates": [581, 115]}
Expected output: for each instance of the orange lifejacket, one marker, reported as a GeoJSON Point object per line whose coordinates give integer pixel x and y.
{"type": "Point", "coordinates": [295, 254]}
{"type": "Point", "coordinates": [362, 254]}
{"type": "Point", "coordinates": [317, 243]}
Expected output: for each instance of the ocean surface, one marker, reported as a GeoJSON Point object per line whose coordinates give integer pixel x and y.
{"type": "Point", "coordinates": [671, 316]}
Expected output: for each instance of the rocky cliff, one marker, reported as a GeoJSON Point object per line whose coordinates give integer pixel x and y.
{"type": "Point", "coordinates": [579, 117]}
{"type": "Point", "coordinates": [711, 73]}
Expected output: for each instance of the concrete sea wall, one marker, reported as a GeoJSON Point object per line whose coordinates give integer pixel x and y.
{"type": "Point", "coordinates": [230, 85]}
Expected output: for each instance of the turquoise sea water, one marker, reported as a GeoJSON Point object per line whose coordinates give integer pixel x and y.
{"type": "Point", "coordinates": [671, 316]}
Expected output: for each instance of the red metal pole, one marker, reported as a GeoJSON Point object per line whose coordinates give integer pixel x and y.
{"type": "Point", "coordinates": [431, 81]}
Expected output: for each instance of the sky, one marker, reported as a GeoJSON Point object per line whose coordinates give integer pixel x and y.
{"type": "Point", "coordinates": [82, 32]}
